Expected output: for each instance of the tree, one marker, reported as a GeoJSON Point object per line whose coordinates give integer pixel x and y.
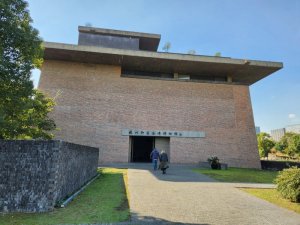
{"type": "Point", "coordinates": [294, 146]}
{"type": "Point", "coordinates": [32, 122]}
{"type": "Point", "coordinates": [218, 54]}
{"type": "Point", "coordinates": [167, 46]}
{"type": "Point", "coordinates": [88, 24]}
{"type": "Point", "coordinates": [191, 52]}
{"type": "Point", "coordinates": [289, 144]}
{"type": "Point", "coordinates": [20, 52]}
{"type": "Point", "coordinates": [279, 146]}
{"type": "Point", "coordinates": [265, 144]}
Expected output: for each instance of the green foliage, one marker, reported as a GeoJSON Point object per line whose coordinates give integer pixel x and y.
{"type": "Point", "coordinates": [20, 49]}
{"type": "Point", "coordinates": [191, 52]}
{"type": "Point", "coordinates": [294, 145]}
{"type": "Point", "coordinates": [289, 144]}
{"type": "Point", "coordinates": [288, 184]}
{"type": "Point", "coordinates": [240, 175]}
{"type": "Point", "coordinates": [214, 162]}
{"type": "Point", "coordinates": [167, 47]}
{"type": "Point", "coordinates": [22, 114]}
{"type": "Point", "coordinates": [265, 144]}
{"type": "Point", "coordinates": [31, 121]}
{"type": "Point", "coordinates": [279, 146]}
{"type": "Point", "coordinates": [218, 54]}
{"type": "Point", "coordinates": [272, 195]}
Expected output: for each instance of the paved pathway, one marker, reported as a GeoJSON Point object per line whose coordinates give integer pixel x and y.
{"type": "Point", "coordinates": [184, 197]}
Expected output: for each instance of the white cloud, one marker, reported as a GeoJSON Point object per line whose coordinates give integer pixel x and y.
{"type": "Point", "coordinates": [292, 116]}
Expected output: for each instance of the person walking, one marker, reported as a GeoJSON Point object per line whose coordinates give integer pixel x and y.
{"type": "Point", "coordinates": [163, 158]}
{"type": "Point", "coordinates": [154, 155]}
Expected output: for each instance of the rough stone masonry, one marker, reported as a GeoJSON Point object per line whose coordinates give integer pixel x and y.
{"type": "Point", "coordinates": [34, 175]}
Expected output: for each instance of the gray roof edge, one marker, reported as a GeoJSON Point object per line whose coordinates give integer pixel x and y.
{"type": "Point", "coordinates": [161, 55]}
{"type": "Point", "coordinates": [291, 125]}
{"type": "Point", "coordinates": [95, 30]}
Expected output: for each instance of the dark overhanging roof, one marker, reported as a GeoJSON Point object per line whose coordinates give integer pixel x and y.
{"type": "Point", "coordinates": [148, 42]}
{"type": "Point", "coordinates": [241, 70]}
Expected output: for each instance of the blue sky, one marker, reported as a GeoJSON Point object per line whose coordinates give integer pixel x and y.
{"type": "Point", "coordinates": [258, 29]}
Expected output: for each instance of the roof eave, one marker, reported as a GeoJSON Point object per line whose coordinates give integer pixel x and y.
{"type": "Point", "coordinates": [248, 71]}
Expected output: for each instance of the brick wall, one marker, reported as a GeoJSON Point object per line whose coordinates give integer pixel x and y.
{"type": "Point", "coordinates": [34, 175]}
{"type": "Point", "coordinates": [95, 103]}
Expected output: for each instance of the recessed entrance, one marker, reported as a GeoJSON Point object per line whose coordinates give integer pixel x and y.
{"type": "Point", "coordinates": [141, 148]}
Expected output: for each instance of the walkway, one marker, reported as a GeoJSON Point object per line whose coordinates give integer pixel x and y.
{"type": "Point", "coordinates": [184, 197]}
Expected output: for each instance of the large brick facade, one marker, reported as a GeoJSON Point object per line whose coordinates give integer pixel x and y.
{"type": "Point", "coordinates": [94, 103]}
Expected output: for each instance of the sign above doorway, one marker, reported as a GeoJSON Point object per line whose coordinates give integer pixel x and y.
{"type": "Point", "coordinates": [163, 133]}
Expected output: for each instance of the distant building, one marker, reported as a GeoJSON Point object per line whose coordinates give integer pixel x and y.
{"type": "Point", "coordinates": [293, 128]}
{"type": "Point", "coordinates": [257, 130]}
{"type": "Point", "coordinates": [277, 134]}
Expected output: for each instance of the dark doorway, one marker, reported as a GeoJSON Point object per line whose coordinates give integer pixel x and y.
{"type": "Point", "coordinates": [141, 148]}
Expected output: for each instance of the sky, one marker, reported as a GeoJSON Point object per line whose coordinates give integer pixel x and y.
{"type": "Point", "coordinates": [257, 29]}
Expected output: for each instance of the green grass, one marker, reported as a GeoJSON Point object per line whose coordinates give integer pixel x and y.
{"type": "Point", "coordinates": [271, 195]}
{"type": "Point", "coordinates": [240, 175]}
{"type": "Point", "coordinates": [103, 201]}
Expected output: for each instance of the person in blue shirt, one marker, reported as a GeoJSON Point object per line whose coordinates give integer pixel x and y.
{"type": "Point", "coordinates": [154, 155]}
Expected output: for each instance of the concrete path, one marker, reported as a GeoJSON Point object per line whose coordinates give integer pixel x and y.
{"type": "Point", "coordinates": [184, 197]}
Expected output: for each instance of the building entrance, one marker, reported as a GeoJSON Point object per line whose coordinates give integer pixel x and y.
{"type": "Point", "coordinates": [141, 148]}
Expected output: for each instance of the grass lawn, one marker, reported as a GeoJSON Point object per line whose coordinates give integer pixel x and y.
{"type": "Point", "coordinates": [271, 195]}
{"type": "Point", "coordinates": [103, 201]}
{"type": "Point", "coordinates": [240, 175]}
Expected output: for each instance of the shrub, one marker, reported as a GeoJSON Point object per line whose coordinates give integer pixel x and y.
{"type": "Point", "coordinates": [214, 163]}
{"type": "Point", "coordinates": [288, 183]}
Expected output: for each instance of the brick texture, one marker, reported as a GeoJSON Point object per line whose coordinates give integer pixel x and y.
{"type": "Point", "coordinates": [94, 103]}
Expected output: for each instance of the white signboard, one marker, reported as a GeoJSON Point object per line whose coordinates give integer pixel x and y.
{"type": "Point", "coordinates": [163, 133]}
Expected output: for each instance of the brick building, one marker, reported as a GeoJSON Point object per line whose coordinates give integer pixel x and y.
{"type": "Point", "coordinates": [116, 92]}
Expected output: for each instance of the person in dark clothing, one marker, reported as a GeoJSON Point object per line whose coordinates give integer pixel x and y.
{"type": "Point", "coordinates": [154, 155]}
{"type": "Point", "coordinates": [163, 158]}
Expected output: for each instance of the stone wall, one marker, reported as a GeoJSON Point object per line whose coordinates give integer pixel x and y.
{"type": "Point", "coordinates": [95, 103]}
{"type": "Point", "coordinates": [34, 175]}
